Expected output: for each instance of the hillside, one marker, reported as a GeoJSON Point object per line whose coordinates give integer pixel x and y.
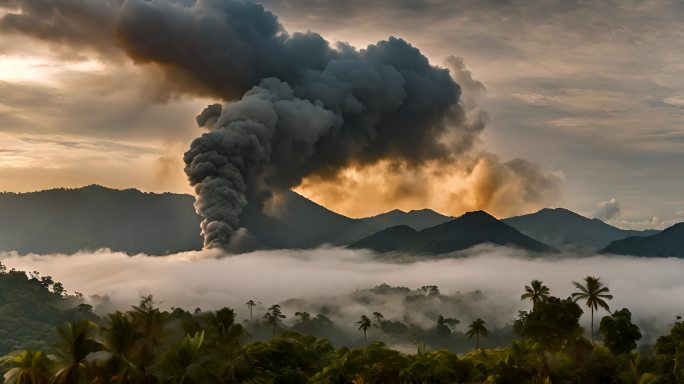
{"type": "Point", "coordinates": [668, 243]}
{"type": "Point", "coordinates": [387, 240]}
{"type": "Point", "coordinates": [565, 229]}
{"type": "Point", "coordinates": [416, 219]}
{"type": "Point", "coordinates": [31, 307]}
{"type": "Point", "coordinates": [473, 228]}
{"type": "Point", "coordinates": [68, 220]}
{"type": "Point", "coordinates": [92, 217]}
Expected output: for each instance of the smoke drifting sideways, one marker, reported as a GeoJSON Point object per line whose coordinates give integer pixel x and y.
{"type": "Point", "coordinates": [296, 108]}
{"type": "Point", "coordinates": [482, 282]}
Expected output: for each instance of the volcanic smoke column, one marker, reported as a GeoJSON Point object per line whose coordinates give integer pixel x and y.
{"type": "Point", "coordinates": [226, 165]}
{"type": "Point", "coordinates": [384, 102]}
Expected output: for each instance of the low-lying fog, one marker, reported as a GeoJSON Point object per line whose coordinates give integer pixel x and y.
{"type": "Point", "coordinates": [325, 279]}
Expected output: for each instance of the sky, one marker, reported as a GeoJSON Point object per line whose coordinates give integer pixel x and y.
{"type": "Point", "coordinates": [592, 93]}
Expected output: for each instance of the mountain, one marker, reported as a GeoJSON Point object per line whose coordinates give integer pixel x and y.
{"type": "Point", "coordinates": [668, 243]}
{"type": "Point", "coordinates": [416, 219]}
{"type": "Point", "coordinates": [92, 217]}
{"type": "Point", "coordinates": [565, 229]}
{"type": "Point", "coordinates": [297, 222]}
{"type": "Point", "coordinates": [387, 240]}
{"type": "Point", "coordinates": [67, 220]}
{"type": "Point", "coordinates": [471, 229]}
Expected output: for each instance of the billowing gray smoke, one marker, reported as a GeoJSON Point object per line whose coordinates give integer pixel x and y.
{"type": "Point", "coordinates": [363, 106]}
{"type": "Point", "coordinates": [308, 108]}
{"type": "Point", "coordinates": [304, 109]}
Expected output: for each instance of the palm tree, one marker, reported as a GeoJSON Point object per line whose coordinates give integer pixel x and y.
{"type": "Point", "coordinates": [594, 292]}
{"type": "Point", "coordinates": [75, 344]}
{"type": "Point", "coordinates": [251, 304]}
{"type": "Point", "coordinates": [477, 328]}
{"type": "Point", "coordinates": [364, 325]}
{"type": "Point", "coordinates": [379, 318]}
{"type": "Point", "coordinates": [26, 367]}
{"type": "Point", "coordinates": [118, 337]}
{"type": "Point", "coordinates": [184, 362]}
{"type": "Point", "coordinates": [537, 292]}
{"type": "Point", "coordinates": [150, 330]}
{"type": "Point", "coordinates": [226, 341]}
{"type": "Point", "coordinates": [274, 316]}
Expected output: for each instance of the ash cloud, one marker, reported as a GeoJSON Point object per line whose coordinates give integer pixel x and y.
{"type": "Point", "coordinates": [313, 280]}
{"type": "Point", "coordinates": [296, 106]}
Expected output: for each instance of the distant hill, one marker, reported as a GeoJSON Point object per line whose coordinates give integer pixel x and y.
{"type": "Point", "coordinates": [68, 220]}
{"type": "Point", "coordinates": [387, 240]}
{"type": "Point", "coordinates": [300, 223]}
{"type": "Point", "coordinates": [416, 219]}
{"type": "Point", "coordinates": [92, 217]}
{"type": "Point", "coordinates": [668, 243]}
{"type": "Point", "coordinates": [471, 229]}
{"type": "Point", "coordinates": [565, 229]}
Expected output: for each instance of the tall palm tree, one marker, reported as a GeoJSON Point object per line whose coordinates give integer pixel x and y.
{"type": "Point", "coordinates": [536, 292]}
{"type": "Point", "coordinates": [594, 292]}
{"type": "Point", "coordinates": [251, 304]}
{"type": "Point", "coordinates": [364, 325]}
{"type": "Point", "coordinates": [477, 328]}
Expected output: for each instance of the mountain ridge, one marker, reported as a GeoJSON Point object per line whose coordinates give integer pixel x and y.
{"type": "Point", "coordinates": [468, 230]}
{"type": "Point", "coordinates": [565, 229]}
{"type": "Point", "coordinates": [65, 220]}
{"type": "Point", "coordinates": [667, 243]}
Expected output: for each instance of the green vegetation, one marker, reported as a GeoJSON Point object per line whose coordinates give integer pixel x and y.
{"type": "Point", "coordinates": [31, 306]}
{"type": "Point", "coordinates": [148, 345]}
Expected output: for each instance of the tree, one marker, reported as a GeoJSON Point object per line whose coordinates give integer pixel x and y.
{"type": "Point", "coordinates": [305, 317]}
{"type": "Point", "coordinates": [149, 327]}
{"type": "Point", "coordinates": [445, 325]}
{"type": "Point", "coordinates": [379, 318]}
{"type": "Point", "coordinates": [184, 362]}
{"type": "Point", "coordinates": [75, 344]}
{"type": "Point", "coordinates": [364, 325]}
{"type": "Point", "coordinates": [536, 292]}
{"type": "Point", "coordinates": [551, 323]}
{"type": "Point", "coordinates": [251, 304]}
{"type": "Point", "coordinates": [477, 328]}
{"type": "Point", "coordinates": [224, 341]}
{"type": "Point", "coordinates": [274, 316]}
{"type": "Point", "coordinates": [594, 292]}
{"type": "Point", "coordinates": [620, 335]}
{"type": "Point", "coordinates": [118, 338]}
{"type": "Point", "coordinates": [26, 367]}
{"type": "Point", "coordinates": [430, 290]}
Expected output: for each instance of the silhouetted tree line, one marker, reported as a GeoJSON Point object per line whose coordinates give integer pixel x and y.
{"type": "Point", "coordinates": [148, 345]}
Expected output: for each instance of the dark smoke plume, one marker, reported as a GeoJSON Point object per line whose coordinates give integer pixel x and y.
{"type": "Point", "coordinates": [296, 106]}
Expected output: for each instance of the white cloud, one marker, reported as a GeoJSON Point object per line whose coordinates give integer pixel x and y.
{"type": "Point", "coordinates": [647, 286]}
{"type": "Point", "coordinates": [607, 210]}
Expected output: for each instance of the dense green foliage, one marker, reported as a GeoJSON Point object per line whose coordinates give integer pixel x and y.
{"type": "Point", "coordinates": [148, 345]}
{"type": "Point", "coordinates": [31, 306]}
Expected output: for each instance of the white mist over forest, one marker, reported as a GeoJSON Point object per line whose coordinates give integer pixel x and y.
{"type": "Point", "coordinates": [210, 280]}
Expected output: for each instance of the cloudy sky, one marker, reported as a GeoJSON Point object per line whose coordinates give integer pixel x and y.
{"type": "Point", "coordinates": [592, 93]}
